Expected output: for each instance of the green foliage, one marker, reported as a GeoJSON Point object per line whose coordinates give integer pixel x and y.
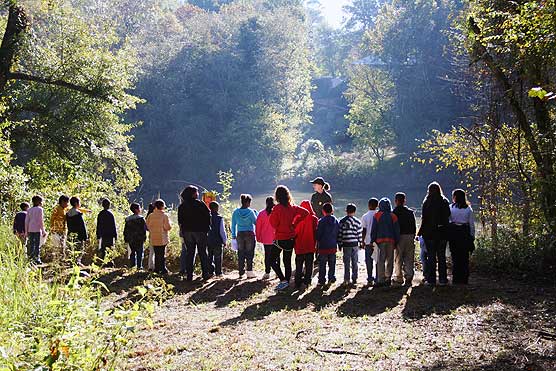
{"type": "Point", "coordinates": [235, 96]}
{"type": "Point", "coordinates": [371, 101]}
{"type": "Point", "coordinates": [63, 139]}
{"type": "Point", "coordinates": [524, 254]}
{"type": "Point", "coordinates": [58, 325]}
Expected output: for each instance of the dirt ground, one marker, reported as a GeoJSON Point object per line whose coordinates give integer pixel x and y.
{"type": "Point", "coordinates": [230, 324]}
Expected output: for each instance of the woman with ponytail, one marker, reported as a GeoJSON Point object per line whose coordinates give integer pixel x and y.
{"type": "Point", "coordinates": [321, 195]}
{"type": "Point", "coordinates": [265, 235]}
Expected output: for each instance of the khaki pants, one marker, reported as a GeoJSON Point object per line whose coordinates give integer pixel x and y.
{"type": "Point", "coordinates": [59, 245]}
{"type": "Point", "coordinates": [404, 259]}
{"type": "Point", "coordinates": [385, 262]}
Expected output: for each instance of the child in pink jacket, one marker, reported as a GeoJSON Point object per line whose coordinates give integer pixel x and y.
{"type": "Point", "coordinates": [265, 234]}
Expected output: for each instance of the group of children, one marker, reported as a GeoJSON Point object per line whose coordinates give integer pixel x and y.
{"type": "Point", "coordinates": [66, 220]}
{"type": "Point", "coordinates": [311, 230]}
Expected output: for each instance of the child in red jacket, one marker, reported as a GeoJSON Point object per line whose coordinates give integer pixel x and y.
{"type": "Point", "coordinates": [305, 246]}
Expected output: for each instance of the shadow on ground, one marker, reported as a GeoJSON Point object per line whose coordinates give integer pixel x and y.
{"type": "Point", "coordinates": [512, 359]}
{"type": "Point", "coordinates": [372, 301]}
{"type": "Point", "coordinates": [316, 299]}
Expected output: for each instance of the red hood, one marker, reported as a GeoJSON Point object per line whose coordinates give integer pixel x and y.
{"type": "Point", "coordinates": [307, 206]}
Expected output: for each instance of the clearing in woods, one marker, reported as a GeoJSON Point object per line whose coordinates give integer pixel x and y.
{"type": "Point", "coordinates": [226, 324]}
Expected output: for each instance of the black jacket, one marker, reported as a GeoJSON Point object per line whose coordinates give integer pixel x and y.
{"type": "Point", "coordinates": [106, 227]}
{"type": "Point", "coordinates": [406, 220]}
{"type": "Point", "coordinates": [76, 225]}
{"type": "Point", "coordinates": [194, 216]}
{"type": "Point", "coordinates": [318, 200]}
{"type": "Point", "coordinates": [135, 230]}
{"type": "Point", "coordinates": [435, 218]}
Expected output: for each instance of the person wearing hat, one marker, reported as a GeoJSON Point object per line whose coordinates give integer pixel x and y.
{"type": "Point", "coordinates": [321, 195]}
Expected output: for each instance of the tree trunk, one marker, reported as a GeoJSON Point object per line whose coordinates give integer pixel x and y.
{"type": "Point", "coordinates": [16, 25]}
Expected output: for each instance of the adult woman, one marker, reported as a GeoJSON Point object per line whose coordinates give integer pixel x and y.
{"type": "Point", "coordinates": [461, 236]}
{"type": "Point", "coordinates": [321, 195]}
{"type": "Point", "coordinates": [282, 219]}
{"type": "Point", "coordinates": [435, 220]}
{"type": "Point", "coordinates": [194, 221]}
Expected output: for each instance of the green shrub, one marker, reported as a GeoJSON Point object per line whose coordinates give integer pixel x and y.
{"type": "Point", "coordinates": [521, 254]}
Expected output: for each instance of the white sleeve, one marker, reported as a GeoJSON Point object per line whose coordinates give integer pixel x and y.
{"type": "Point", "coordinates": [471, 221]}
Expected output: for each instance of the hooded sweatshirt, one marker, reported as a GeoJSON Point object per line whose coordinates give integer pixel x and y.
{"type": "Point", "coordinates": [385, 227]}
{"type": "Point", "coordinates": [264, 230]}
{"type": "Point", "coordinates": [282, 219]}
{"type": "Point", "coordinates": [327, 235]}
{"type": "Point", "coordinates": [243, 220]}
{"type": "Point", "coordinates": [76, 224]}
{"type": "Point", "coordinates": [135, 230]}
{"type": "Point", "coordinates": [306, 231]}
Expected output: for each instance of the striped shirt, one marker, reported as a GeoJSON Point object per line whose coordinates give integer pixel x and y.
{"type": "Point", "coordinates": [351, 231]}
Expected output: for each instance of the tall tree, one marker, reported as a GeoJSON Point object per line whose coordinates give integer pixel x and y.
{"type": "Point", "coordinates": [517, 43]}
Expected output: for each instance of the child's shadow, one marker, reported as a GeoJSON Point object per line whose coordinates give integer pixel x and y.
{"type": "Point", "coordinates": [372, 301]}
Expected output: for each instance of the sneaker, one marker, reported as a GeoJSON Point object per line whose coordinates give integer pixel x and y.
{"type": "Point", "coordinates": [346, 283]}
{"type": "Point", "coordinates": [251, 274]}
{"type": "Point", "coordinates": [240, 276]}
{"type": "Point", "coordinates": [266, 276]}
{"type": "Point", "coordinates": [333, 280]}
{"type": "Point", "coordinates": [320, 284]}
{"type": "Point", "coordinates": [282, 285]}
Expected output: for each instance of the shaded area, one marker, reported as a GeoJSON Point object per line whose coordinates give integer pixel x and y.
{"type": "Point", "coordinates": [316, 299]}
{"type": "Point", "coordinates": [372, 301]}
{"type": "Point", "coordinates": [224, 291]}
{"type": "Point", "coordinates": [512, 359]}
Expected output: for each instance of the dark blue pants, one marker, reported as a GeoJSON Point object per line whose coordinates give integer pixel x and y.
{"type": "Point", "coordinates": [34, 246]}
{"type": "Point", "coordinates": [324, 260]}
{"type": "Point", "coordinates": [136, 256]}
{"type": "Point", "coordinates": [215, 259]}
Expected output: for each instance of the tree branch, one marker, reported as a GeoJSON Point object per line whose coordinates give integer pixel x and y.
{"type": "Point", "coordinates": [68, 85]}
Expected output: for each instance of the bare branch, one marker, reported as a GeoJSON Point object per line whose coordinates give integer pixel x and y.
{"type": "Point", "coordinates": [26, 77]}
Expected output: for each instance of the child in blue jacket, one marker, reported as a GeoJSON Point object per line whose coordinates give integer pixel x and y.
{"type": "Point", "coordinates": [327, 244]}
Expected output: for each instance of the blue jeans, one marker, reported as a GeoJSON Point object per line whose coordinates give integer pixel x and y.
{"type": "Point", "coordinates": [136, 256]}
{"type": "Point", "coordinates": [423, 255]}
{"type": "Point", "coordinates": [215, 259]}
{"type": "Point", "coordinates": [245, 250]}
{"type": "Point", "coordinates": [195, 242]}
{"type": "Point", "coordinates": [325, 259]}
{"type": "Point", "coordinates": [34, 246]}
{"type": "Point", "coordinates": [369, 262]}
{"type": "Point", "coordinates": [351, 258]}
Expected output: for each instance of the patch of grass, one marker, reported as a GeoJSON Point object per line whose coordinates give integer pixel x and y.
{"type": "Point", "coordinates": [61, 324]}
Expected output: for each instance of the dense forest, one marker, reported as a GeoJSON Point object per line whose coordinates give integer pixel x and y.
{"type": "Point", "coordinates": [139, 98]}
